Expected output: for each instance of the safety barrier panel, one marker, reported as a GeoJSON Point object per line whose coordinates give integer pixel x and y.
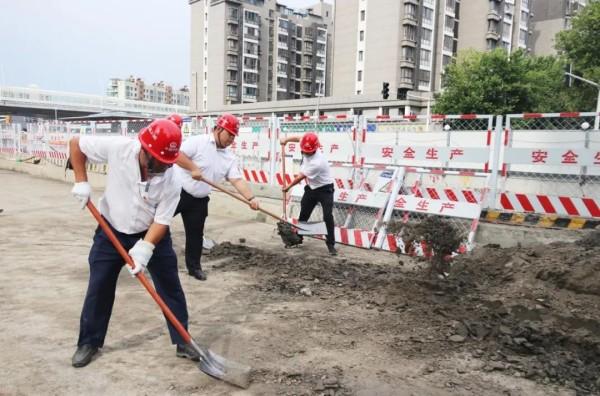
{"type": "Point", "coordinates": [541, 169]}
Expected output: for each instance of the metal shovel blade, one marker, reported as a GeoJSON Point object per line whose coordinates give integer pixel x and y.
{"type": "Point", "coordinates": [220, 368]}
{"type": "Point", "coordinates": [316, 228]}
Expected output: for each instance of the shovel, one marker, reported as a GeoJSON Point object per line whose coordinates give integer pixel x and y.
{"type": "Point", "coordinates": [210, 363]}
{"type": "Point", "coordinates": [305, 228]}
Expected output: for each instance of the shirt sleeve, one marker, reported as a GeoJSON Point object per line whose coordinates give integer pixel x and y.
{"type": "Point", "coordinates": [310, 169]}
{"type": "Point", "coordinates": [167, 206]}
{"type": "Point", "coordinates": [190, 146]}
{"type": "Point", "coordinates": [234, 171]}
{"type": "Point", "coordinates": [98, 148]}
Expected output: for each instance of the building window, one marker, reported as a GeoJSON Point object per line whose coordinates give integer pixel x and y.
{"type": "Point", "coordinates": [424, 77]}
{"type": "Point", "coordinates": [425, 58]}
{"type": "Point", "coordinates": [359, 75]}
{"type": "Point", "coordinates": [448, 43]}
{"type": "Point", "coordinates": [406, 75]}
{"type": "Point", "coordinates": [362, 35]}
{"type": "Point", "coordinates": [446, 60]}
{"type": "Point", "coordinates": [426, 36]}
{"type": "Point", "coordinates": [410, 33]}
{"type": "Point", "coordinates": [410, 11]}
{"type": "Point", "coordinates": [427, 15]}
{"type": "Point", "coordinates": [408, 53]}
{"type": "Point", "coordinates": [362, 15]}
{"type": "Point", "coordinates": [360, 56]}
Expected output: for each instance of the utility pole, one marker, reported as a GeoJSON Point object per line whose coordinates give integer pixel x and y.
{"type": "Point", "coordinates": [595, 84]}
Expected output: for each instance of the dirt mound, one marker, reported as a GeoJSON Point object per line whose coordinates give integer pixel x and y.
{"type": "Point", "coordinates": [528, 312]}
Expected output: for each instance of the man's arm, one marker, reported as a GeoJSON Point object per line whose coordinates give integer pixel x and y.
{"type": "Point", "coordinates": [244, 189]}
{"type": "Point", "coordinates": [78, 160]}
{"type": "Point", "coordinates": [289, 139]}
{"type": "Point", "coordinates": [186, 163]}
{"type": "Point", "coordinates": [155, 233]}
{"type": "Point", "coordinates": [298, 179]}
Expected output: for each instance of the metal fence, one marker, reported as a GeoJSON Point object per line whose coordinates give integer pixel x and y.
{"type": "Point", "coordinates": [396, 168]}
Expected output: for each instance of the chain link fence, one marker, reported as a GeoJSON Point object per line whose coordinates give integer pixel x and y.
{"type": "Point", "coordinates": [550, 164]}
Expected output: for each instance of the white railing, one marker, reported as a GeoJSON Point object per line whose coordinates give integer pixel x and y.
{"type": "Point", "coordinates": [41, 98]}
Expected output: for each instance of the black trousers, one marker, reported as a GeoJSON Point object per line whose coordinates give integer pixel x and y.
{"type": "Point", "coordinates": [105, 264]}
{"type": "Point", "coordinates": [310, 199]}
{"type": "Point", "coordinates": [194, 212]}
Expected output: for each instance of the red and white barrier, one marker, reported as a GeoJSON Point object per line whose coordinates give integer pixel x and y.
{"type": "Point", "coordinates": [549, 204]}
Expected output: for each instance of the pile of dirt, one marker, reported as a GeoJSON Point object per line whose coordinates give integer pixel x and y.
{"type": "Point", "coordinates": [528, 312]}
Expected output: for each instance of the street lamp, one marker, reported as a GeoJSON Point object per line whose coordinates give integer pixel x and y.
{"type": "Point", "coordinates": [597, 116]}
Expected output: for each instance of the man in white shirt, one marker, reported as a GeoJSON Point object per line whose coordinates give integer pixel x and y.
{"type": "Point", "coordinates": [206, 156]}
{"type": "Point", "coordinates": [139, 201]}
{"type": "Point", "coordinates": [319, 189]}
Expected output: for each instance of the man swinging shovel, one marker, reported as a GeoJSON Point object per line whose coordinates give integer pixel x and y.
{"type": "Point", "coordinates": [136, 210]}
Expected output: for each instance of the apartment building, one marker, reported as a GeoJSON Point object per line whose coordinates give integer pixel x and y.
{"type": "Point", "coordinates": [405, 43]}
{"type": "Point", "coordinates": [495, 24]}
{"type": "Point", "coordinates": [136, 89]}
{"type": "Point", "coordinates": [549, 18]}
{"type": "Point", "coordinates": [247, 51]}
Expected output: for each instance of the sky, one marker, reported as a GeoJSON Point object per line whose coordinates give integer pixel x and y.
{"type": "Point", "coordinates": [79, 45]}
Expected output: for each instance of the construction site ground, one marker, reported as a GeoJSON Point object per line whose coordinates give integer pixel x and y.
{"type": "Point", "coordinates": [518, 321]}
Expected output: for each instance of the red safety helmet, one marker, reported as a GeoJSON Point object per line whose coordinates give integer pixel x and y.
{"type": "Point", "coordinates": [177, 119]}
{"type": "Point", "coordinates": [162, 139]}
{"type": "Point", "coordinates": [230, 123]}
{"type": "Point", "coordinates": [309, 143]}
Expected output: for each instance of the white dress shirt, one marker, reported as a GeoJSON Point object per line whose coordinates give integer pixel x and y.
{"type": "Point", "coordinates": [129, 204]}
{"type": "Point", "coordinates": [216, 164]}
{"type": "Point", "coordinates": [316, 169]}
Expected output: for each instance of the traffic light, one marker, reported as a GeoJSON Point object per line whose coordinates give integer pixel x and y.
{"type": "Point", "coordinates": [386, 90]}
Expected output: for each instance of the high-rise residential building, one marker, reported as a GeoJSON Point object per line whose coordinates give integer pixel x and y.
{"type": "Point", "coordinates": [549, 18]}
{"type": "Point", "coordinates": [405, 43]}
{"type": "Point", "coordinates": [246, 51]}
{"type": "Point", "coordinates": [495, 24]}
{"type": "Point", "coordinates": [135, 89]}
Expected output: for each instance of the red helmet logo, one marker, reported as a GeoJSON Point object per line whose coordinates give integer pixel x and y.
{"type": "Point", "coordinates": [230, 123]}
{"type": "Point", "coordinates": [162, 139]}
{"type": "Point", "coordinates": [309, 143]}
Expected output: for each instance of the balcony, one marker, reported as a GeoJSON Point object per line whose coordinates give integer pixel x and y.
{"type": "Point", "coordinates": [282, 31]}
{"type": "Point", "coordinates": [407, 62]}
{"type": "Point", "coordinates": [251, 36]}
{"type": "Point", "coordinates": [410, 19]}
{"type": "Point", "coordinates": [492, 35]}
{"type": "Point", "coordinates": [231, 82]}
{"type": "Point", "coordinates": [249, 98]}
{"type": "Point", "coordinates": [493, 15]}
{"type": "Point", "coordinates": [415, 2]}
{"type": "Point", "coordinates": [408, 43]}
{"type": "Point", "coordinates": [232, 66]}
{"type": "Point", "coordinates": [320, 66]}
{"type": "Point", "coordinates": [405, 83]}
{"type": "Point", "coordinates": [233, 50]}
{"type": "Point", "coordinates": [320, 53]}
{"type": "Point", "coordinates": [282, 45]}
{"type": "Point", "coordinates": [233, 20]}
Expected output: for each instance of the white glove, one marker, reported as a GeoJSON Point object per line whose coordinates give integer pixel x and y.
{"type": "Point", "coordinates": [141, 253]}
{"type": "Point", "coordinates": [81, 191]}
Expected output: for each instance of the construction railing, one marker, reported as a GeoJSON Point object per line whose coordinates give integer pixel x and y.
{"type": "Point", "coordinates": [540, 169]}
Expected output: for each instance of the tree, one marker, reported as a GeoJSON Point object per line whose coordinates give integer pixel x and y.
{"type": "Point", "coordinates": [497, 82]}
{"type": "Point", "coordinates": [580, 45]}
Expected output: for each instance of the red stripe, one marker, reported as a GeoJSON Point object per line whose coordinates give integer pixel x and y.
{"type": "Point", "coordinates": [279, 179]}
{"type": "Point", "coordinates": [383, 117]}
{"type": "Point", "coordinates": [468, 116]}
{"type": "Point", "coordinates": [438, 116]}
{"type": "Point", "coordinates": [466, 173]}
{"type": "Point", "coordinates": [358, 238]}
{"type": "Point", "coordinates": [591, 207]}
{"type": "Point", "coordinates": [532, 115]}
{"type": "Point", "coordinates": [503, 169]}
{"type": "Point", "coordinates": [392, 243]}
{"type": "Point", "coordinates": [410, 117]}
{"type": "Point", "coordinates": [486, 167]}
{"type": "Point", "coordinates": [263, 176]}
{"type": "Point", "coordinates": [505, 202]}
{"type": "Point", "coordinates": [489, 138]}
{"type": "Point", "coordinates": [246, 175]}
{"type": "Point", "coordinates": [339, 183]}
{"type": "Point", "coordinates": [432, 193]}
{"type": "Point", "coordinates": [524, 201]}
{"type": "Point", "coordinates": [323, 117]}
{"type": "Point", "coordinates": [469, 196]}
{"type": "Point", "coordinates": [450, 194]}
{"type": "Point", "coordinates": [546, 204]}
{"type": "Point", "coordinates": [304, 118]}
{"type": "Point", "coordinates": [364, 134]}
{"type": "Point", "coordinates": [437, 172]}
{"type": "Point", "coordinates": [505, 136]}
{"type": "Point", "coordinates": [254, 176]}
{"type": "Point", "coordinates": [341, 116]}
{"type": "Point", "coordinates": [259, 118]}
{"type": "Point", "coordinates": [570, 114]}
{"type": "Point", "coordinates": [344, 235]}
{"type": "Point", "coordinates": [289, 118]}
{"type": "Point", "coordinates": [568, 204]}
{"type": "Point", "coordinates": [288, 179]}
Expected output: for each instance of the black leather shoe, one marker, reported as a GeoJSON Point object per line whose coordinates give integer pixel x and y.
{"type": "Point", "coordinates": [186, 351]}
{"type": "Point", "coordinates": [332, 250]}
{"type": "Point", "coordinates": [83, 355]}
{"type": "Point", "coordinates": [198, 274]}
